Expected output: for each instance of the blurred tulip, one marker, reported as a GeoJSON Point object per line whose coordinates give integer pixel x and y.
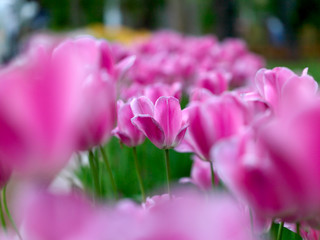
{"type": "Point", "coordinates": [97, 107]}
{"type": "Point", "coordinates": [157, 90]}
{"type": "Point", "coordinates": [281, 88]}
{"type": "Point", "coordinates": [200, 174]}
{"type": "Point", "coordinates": [276, 171]}
{"type": "Point", "coordinates": [210, 121]}
{"type": "Point", "coordinates": [162, 123]}
{"type": "Point", "coordinates": [43, 215]}
{"type": "Point", "coordinates": [126, 131]}
{"type": "Point", "coordinates": [214, 81]}
{"type": "Point", "coordinates": [37, 114]}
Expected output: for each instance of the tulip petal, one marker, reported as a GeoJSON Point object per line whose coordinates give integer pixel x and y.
{"type": "Point", "coordinates": [180, 135]}
{"type": "Point", "coordinates": [122, 137]}
{"type": "Point", "coordinates": [168, 114]}
{"type": "Point", "coordinates": [149, 126]}
{"type": "Point", "coordinates": [142, 105]}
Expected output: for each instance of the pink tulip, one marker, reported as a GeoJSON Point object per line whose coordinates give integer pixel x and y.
{"type": "Point", "coordinates": [200, 95]}
{"type": "Point", "coordinates": [192, 217]}
{"type": "Point", "coordinates": [210, 121]}
{"type": "Point", "coordinates": [126, 131]}
{"type": "Point", "coordinates": [43, 215]}
{"type": "Point", "coordinates": [200, 174]}
{"type": "Point", "coordinates": [96, 76]}
{"type": "Point", "coordinates": [214, 81]}
{"type": "Point", "coordinates": [278, 173]}
{"type": "Point", "coordinates": [37, 113]}
{"type": "Point", "coordinates": [245, 68]}
{"type": "Point", "coordinates": [162, 123]}
{"type": "Point", "coordinates": [154, 91]}
{"type": "Point", "coordinates": [281, 88]}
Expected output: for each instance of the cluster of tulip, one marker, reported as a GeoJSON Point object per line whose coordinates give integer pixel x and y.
{"type": "Point", "coordinates": [253, 132]}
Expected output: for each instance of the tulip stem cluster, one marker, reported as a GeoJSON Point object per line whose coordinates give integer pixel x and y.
{"type": "Point", "coordinates": [297, 231]}
{"type": "Point", "coordinates": [212, 174]}
{"type": "Point", "coordinates": [5, 205]}
{"type": "Point", "coordinates": [134, 150]}
{"type": "Point", "coordinates": [167, 161]}
{"type": "Point", "coordinates": [3, 222]}
{"type": "Point", "coordinates": [279, 236]}
{"type": "Point", "coordinates": [106, 162]}
{"type": "Point", "coordinates": [94, 166]}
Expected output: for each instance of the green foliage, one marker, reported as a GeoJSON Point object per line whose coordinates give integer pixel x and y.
{"type": "Point", "coordinates": [152, 165]}
{"type": "Point", "coordinates": [286, 233]}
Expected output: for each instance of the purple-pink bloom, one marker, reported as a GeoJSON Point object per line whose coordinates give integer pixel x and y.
{"type": "Point", "coordinates": [276, 170]}
{"type": "Point", "coordinates": [97, 108]}
{"type": "Point", "coordinates": [125, 130]}
{"type": "Point", "coordinates": [281, 88]}
{"type": "Point", "coordinates": [37, 113]}
{"type": "Point", "coordinates": [214, 81]}
{"type": "Point", "coordinates": [210, 121]}
{"type": "Point", "coordinates": [162, 123]}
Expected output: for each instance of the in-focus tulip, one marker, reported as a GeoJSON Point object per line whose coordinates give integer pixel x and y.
{"type": "Point", "coordinates": [125, 130]}
{"type": "Point", "coordinates": [162, 123]}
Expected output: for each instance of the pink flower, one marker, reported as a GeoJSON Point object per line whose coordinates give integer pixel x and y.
{"type": "Point", "coordinates": [126, 131]}
{"type": "Point", "coordinates": [156, 201]}
{"type": "Point", "coordinates": [154, 91]}
{"type": "Point", "coordinates": [200, 174]}
{"type": "Point", "coordinates": [245, 68]}
{"type": "Point", "coordinates": [37, 113]}
{"type": "Point", "coordinates": [210, 121]}
{"type": "Point", "coordinates": [44, 215]}
{"type": "Point", "coordinates": [277, 171]}
{"type": "Point", "coordinates": [162, 123]}
{"type": "Point", "coordinates": [193, 216]}
{"type": "Point", "coordinates": [96, 78]}
{"type": "Point", "coordinates": [281, 88]}
{"type": "Point", "coordinates": [214, 81]}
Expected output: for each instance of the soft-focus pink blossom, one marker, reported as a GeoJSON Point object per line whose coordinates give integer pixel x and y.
{"type": "Point", "coordinates": [154, 91]}
{"type": "Point", "coordinates": [162, 123]}
{"type": "Point", "coordinates": [155, 201]}
{"type": "Point", "coordinates": [210, 121]}
{"type": "Point", "coordinates": [96, 75]}
{"type": "Point", "coordinates": [38, 113]}
{"type": "Point", "coordinates": [43, 215]}
{"type": "Point", "coordinates": [200, 174]}
{"type": "Point", "coordinates": [281, 88]}
{"type": "Point", "coordinates": [200, 95]}
{"type": "Point", "coordinates": [192, 217]}
{"type": "Point", "coordinates": [125, 130]}
{"type": "Point", "coordinates": [214, 81]}
{"type": "Point", "coordinates": [276, 171]}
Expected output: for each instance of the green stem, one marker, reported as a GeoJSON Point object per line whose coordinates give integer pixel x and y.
{"type": "Point", "coordinates": [95, 173]}
{"type": "Point", "coordinates": [134, 150]}
{"type": "Point", "coordinates": [167, 161]}
{"type": "Point", "coordinates": [212, 174]}
{"type": "Point", "coordinates": [106, 162]}
{"type": "Point", "coordinates": [3, 222]}
{"type": "Point", "coordinates": [4, 196]}
{"type": "Point", "coordinates": [298, 231]}
{"type": "Point", "coordinates": [279, 236]}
